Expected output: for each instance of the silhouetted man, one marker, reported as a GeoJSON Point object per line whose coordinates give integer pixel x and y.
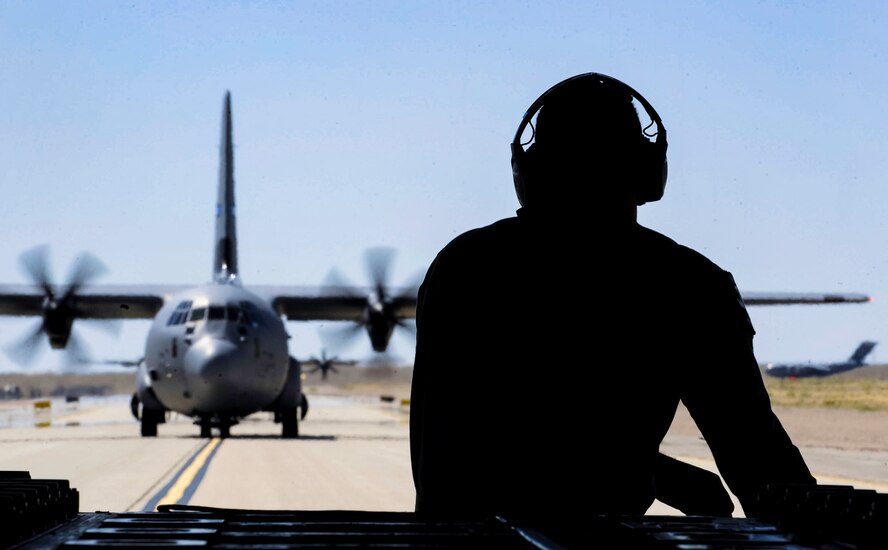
{"type": "Point", "coordinates": [553, 347]}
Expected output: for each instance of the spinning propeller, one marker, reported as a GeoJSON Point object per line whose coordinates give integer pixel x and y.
{"type": "Point", "coordinates": [384, 305]}
{"type": "Point", "coordinates": [326, 364]}
{"type": "Point", "coordinates": [59, 306]}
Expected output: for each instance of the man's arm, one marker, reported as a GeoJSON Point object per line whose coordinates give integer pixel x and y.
{"type": "Point", "coordinates": [724, 392]}
{"type": "Point", "coordinates": [419, 393]}
{"type": "Point", "coordinates": [431, 419]}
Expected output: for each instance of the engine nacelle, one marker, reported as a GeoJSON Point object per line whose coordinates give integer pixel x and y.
{"type": "Point", "coordinates": [57, 322]}
{"type": "Point", "coordinates": [380, 326]}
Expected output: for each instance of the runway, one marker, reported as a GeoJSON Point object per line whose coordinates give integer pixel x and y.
{"type": "Point", "coordinates": [352, 454]}
{"type": "Point", "coordinates": [840, 447]}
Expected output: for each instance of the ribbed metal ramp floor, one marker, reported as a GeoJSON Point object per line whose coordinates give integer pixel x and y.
{"type": "Point", "coordinates": [42, 514]}
{"type": "Point", "coordinates": [258, 530]}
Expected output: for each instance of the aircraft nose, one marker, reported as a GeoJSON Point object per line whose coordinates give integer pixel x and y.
{"type": "Point", "coordinates": [210, 358]}
{"type": "Point", "coordinates": [223, 380]}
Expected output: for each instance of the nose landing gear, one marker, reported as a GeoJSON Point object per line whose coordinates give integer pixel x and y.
{"type": "Point", "coordinates": [223, 424]}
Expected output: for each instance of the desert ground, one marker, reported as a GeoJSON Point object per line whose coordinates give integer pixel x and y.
{"type": "Point", "coordinates": [845, 411]}
{"type": "Point", "coordinates": [356, 436]}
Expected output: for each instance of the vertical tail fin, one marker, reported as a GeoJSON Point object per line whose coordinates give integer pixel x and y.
{"type": "Point", "coordinates": [225, 261]}
{"type": "Point", "coordinates": [862, 351]}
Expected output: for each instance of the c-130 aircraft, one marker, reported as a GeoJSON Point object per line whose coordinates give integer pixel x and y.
{"type": "Point", "coordinates": [218, 352]}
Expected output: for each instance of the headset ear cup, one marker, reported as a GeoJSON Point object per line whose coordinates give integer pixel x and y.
{"type": "Point", "coordinates": [652, 175]}
{"type": "Point", "coordinates": [518, 178]}
{"type": "Point", "coordinates": [521, 171]}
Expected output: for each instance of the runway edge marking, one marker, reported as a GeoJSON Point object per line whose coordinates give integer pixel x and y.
{"type": "Point", "coordinates": [837, 479]}
{"type": "Point", "coordinates": [182, 486]}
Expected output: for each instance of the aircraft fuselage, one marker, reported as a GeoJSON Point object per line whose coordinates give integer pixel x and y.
{"type": "Point", "coordinates": [217, 349]}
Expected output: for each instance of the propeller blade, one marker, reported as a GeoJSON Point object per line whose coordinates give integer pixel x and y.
{"type": "Point", "coordinates": [342, 336]}
{"type": "Point", "coordinates": [335, 283]}
{"type": "Point", "coordinates": [35, 262]}
{"type": "Point", "coordinates": [381, 310]}
{"type": "Point", "coordinates": [408, 325]}
{"type": "Point", "coordinates": [411, 289]}
{"type": "Point", "coordinates": [86, 268]}
{"type": "Point", "coordinates": [25, 350]}
{"type": "Point", "coordinates": [111, 327]}
{"type": "Point", "coordinates": [76, 352]}
{"type": "Point", "coordinates": [379, 261]}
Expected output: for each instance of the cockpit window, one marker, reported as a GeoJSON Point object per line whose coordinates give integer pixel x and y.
{"type": "Point", "coordinates": [180, 314]}
{"type": "Point", "coordinates": [216, 313]}
{"type": "Point", "coordinates": [250, 315]}
{"type": "Point", "coordinates": [198, 314]}
{"type": "Point", "coordinates": [234, 312]}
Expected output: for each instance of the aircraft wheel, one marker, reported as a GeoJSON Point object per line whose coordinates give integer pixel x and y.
{"type": "Point", "coordinates": [205, 430]}
{"type": "Point", "coordinates": [149, 428]}
{"type": "Point", "coordinates": [290, 423]}
{"type": "Point", "coordinates": [224, 430]}
{"type": "Point", "coordinates": [303, 405]}
{"type": "Point", "coordinates": [135, 405]}
{"type": "Point", "coordinates": [150, 419]}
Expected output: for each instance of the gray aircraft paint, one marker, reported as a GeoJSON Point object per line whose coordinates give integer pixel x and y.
{"type": "Point", "coordinates": [808, 370]}
{"type": "Point", "coordinates": [230, 367]}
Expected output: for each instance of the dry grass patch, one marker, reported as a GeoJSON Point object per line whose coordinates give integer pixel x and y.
{"type": "Point", "coordinates": [863, 394]}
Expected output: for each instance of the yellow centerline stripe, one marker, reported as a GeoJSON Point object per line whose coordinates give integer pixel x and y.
{"type": "Point", "coordinates": [187, 476]}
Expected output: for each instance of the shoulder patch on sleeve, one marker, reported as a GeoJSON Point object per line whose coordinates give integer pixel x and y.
{"type": "Point", "coordinates": [742, 314]}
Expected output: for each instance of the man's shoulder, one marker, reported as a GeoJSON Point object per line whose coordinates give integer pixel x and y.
{"type": "Point", "coordinates": [473, 255]}
{"type": "Point", "coordinates": [680, 257]}
{"type": "Point", "coordinates": [480, 238]}
{"type": "Point", "coordinates": [699, 276]}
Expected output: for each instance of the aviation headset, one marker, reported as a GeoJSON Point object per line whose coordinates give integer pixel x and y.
{"type": "Point", "coordinates": [652, 154]}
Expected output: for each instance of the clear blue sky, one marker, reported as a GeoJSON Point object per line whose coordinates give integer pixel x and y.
{"type": "Point", "coordinates": [360, 124]}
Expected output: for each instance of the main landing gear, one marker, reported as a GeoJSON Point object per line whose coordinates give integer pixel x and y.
{"type": "Point", "coordinates": [289, 418]}
{"type": "Point", "coordinates": [150, 419]}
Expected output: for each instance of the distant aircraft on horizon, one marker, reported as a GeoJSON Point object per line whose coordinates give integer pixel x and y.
{"type": "Point", "coordinates": [809, 370]}
{"type": "Point", "coordinates": [325, 364]}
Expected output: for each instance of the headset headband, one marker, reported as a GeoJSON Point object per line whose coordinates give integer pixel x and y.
{"type": "Point", "coordinates": [535, 106]}
{"type": "Point", "coordinates": [653, 180]}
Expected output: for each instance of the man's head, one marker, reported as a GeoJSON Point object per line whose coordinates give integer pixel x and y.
{"type": "Point", "coordinates": [589, 147]}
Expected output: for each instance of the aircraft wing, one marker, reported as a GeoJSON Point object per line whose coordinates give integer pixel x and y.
{"type": "Point", "coordinates": [92, 302]}
{"type": "Point", "coordinates": [814, 298]}
{"type": "Point", "coordinates": [303, 303]}
{"type": "Point", "coordinates": [334, 362]}
{"type": "Point", "coordinates": [349, 303]}
{"type": "Point", "coordinates": [297, 303]}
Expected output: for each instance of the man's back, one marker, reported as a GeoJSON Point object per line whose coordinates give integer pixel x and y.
{"type": "Point", "coordinates": [551, 362]}
{"type": "Point", "coordinates": [553, 348]}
